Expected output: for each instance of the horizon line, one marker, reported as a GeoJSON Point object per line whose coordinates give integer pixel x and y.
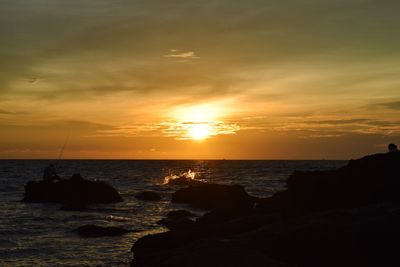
{"type": "Point", "coordinates": [182, 159]}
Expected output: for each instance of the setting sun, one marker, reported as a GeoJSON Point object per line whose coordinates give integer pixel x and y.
{"type": "Point", "coordinates": [199, 122]}
{"type": "Point", "coordinates": [171, 110]}
{"type": "Point", "coordinates": [199, 131]}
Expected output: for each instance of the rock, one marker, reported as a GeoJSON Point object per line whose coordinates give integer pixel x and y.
{"type": "Point", "coordinates": [90, 230]}
{"type": "Point", "coordinates": [186, 181]}
{"type": "Point", "coordinates": [180, 214]}
{"type": "Point", "coordinates": [210, 254]}
{"type": "Point", "coordinates": [176, 223]}
{"type": "Point", "coordinates": [212, 196]}
{"type": "Point", "coordinates": [354, 237]}
{"type": "Point", "coordinates": [148, 195]}
{"type": "Point", "coordinates": [178, 219]}
{"type": "Point", "coordinates": [343, 217]}
{"type": "Point", "coordinates": [371, 179]}
{"type": "Point", "coordinates": [75, 192]}
{"type": "Point", "coordinates": [222, 215]}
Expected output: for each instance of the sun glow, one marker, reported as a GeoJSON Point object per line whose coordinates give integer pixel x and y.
{"type": "Point", "coordinates": [199, 131]}
{"type": "Point", "coordinates": [199, 122]}
{"type": "Point", "coordinates": [198, 114]}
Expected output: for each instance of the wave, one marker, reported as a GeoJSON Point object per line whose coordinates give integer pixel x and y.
{"type": "Point", "coordinates": [117, 218]}
{"type": "Point", "coordinates": [190, 175]}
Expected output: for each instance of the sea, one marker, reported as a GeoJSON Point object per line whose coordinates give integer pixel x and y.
{"type": "Point", "coordinates": [40, 234]}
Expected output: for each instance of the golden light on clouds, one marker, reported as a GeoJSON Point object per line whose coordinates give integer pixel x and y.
{"type": "Point", "coordinates": [247, 79]}
{"type": "Point", "coordinates": [199, 122]}
{"type": "Point", "coordinates": [198, 113]}
{"type": "Point", "coordinates": [200, 131]}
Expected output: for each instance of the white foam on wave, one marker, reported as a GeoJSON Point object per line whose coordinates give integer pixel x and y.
{"type": "Point", "coordinates": [117, 218]}
{"type": "Point", "coordinates": [187, 175]}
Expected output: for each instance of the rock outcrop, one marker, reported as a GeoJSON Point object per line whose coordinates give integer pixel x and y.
{"type": "Point", "coordinates": [74, 192]}
{"type": "Point", "coordinates": [214, 196]}
{"type": "Point", "coordinates": [178, 219]}
{"type": "Point", "coordinates": [90, 230]}
{"type": "Point", "coordinates": [371, 179]}
{"type": "Point", "coordinates": [185, 181]}
{"type": "Point", "coordinates": [343, 217]}
{"type": "Point", "coordinates": [353, 237]}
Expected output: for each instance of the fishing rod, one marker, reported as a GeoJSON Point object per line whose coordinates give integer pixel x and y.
{"type": "Point", "coordinates": [63, 147]}
{"type": "Point", "coordinates": [50, 171]}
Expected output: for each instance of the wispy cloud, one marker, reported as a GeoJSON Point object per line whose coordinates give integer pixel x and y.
{"type": "Point", "coordinates": [2, 111]}
{"type": "Point", "coordinates": [180, 130]}
{"type": "Point", "coordinates": [177, 130]}
{"type": "Point", "coordinates": [134, 130]}
{"type": "Point", "coordinates": [183, 56]}
{"type": "Point", "coordinates": [395, 105]}
{"type": "Point", "coordinates": [130, 67]}
{"type": "Point", "coordinates": [317, 128]}
{"type": "Point", "coordinates": [33, 80]}
{"type": "Point", "coordinates": [8, 112]}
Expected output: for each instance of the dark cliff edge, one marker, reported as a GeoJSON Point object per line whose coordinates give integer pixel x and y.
{"type": "Point", "coordinates": [344, 217]}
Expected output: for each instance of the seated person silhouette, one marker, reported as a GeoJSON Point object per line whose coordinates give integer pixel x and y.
{"type": "Point", "coordinates": [392, 148]}
{"type": "Point", "coordinates": [50, 173]}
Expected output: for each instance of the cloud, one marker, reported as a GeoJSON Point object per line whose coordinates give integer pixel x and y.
{"type": "Point", "coordinates": [337, 127]}
{"type": "Point", "coordinates": [133, 130]}
{"type": "Point", "coordinates": [7, 112]}
{"type": "Point", "coordinates": [177, 130]}
{"type": "Point", "coordinates": [394, 105]}
{"type": "Point", "coordinates": [98, 53]}
{"type": "Point", "coordinates": [339, 121]}
{"type": "Point", "coordinates": [106, 61]}
{"type": "Point", "coordinates": [184, 56]}
{"type": "Point", "coordinates": [181, 130]}
{"type": "Point", "coordinates": [33, 80]}
{"type": "Point", "coordinates": [321, 126]}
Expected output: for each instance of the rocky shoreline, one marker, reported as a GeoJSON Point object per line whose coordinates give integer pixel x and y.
{"type": "Point", "coordinates": [343, 217]}
{"type": "Point", "coordinates": [74, 192]}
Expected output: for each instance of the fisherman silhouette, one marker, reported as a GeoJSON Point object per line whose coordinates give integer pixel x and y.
{"type": "Point", "coordinates": [392, 148]}
{"type": "Point", "coordinates": [49, 173]}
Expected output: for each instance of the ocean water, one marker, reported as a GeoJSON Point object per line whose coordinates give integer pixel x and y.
{"type": "Point", "coordinates": [44, 235]}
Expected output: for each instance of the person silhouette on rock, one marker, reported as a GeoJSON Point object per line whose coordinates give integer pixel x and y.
{"type": "Point", "coordinates": [392, 148]}
{"type": "Point", "coordinates": [50, 173]}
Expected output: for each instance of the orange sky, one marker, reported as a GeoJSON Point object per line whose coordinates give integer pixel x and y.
{"type": "Point", "coordinates": [189, 79]}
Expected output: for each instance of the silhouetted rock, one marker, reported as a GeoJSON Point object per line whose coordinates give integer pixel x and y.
{"type": "Point", "coordinates": [212, 196]}
{"type": "Point", "coordinates": [176, 223]}
{"type": "Point", "coordinates": [362, 236]}
{"type": "Point", "coordinates": [148, 195]}
{"type": "Point", "coordinates": [210, 253]}
{"type": "Point", "coordinates": [90, 230]}
{"type": "Point", "coordinates": [371, 179]}
{"type": "Point", "coordinates": [75, 192]}
{"type": "Point", "coordinates": [343, 217]}
{"type": "Point", "coordinates": [178, 219]}
{"type": "Point", "coordinates": [180, 214]}
{"type": "Point", "coordinates": [185, 181]}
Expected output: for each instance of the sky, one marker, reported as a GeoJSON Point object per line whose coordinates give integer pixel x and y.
{"type": "Point", "coordinates": [195, 79]}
